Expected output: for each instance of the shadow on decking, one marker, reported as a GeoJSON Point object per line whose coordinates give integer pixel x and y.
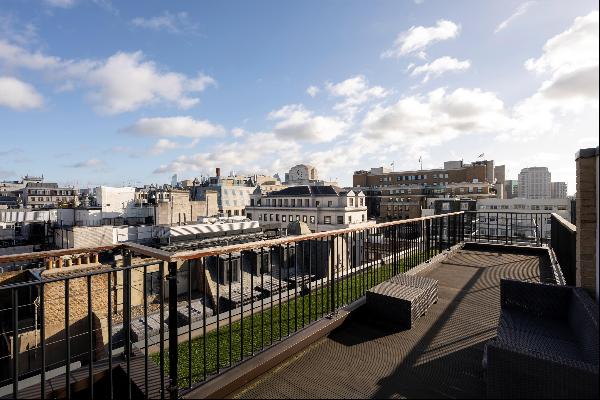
{"type": "Point", "coordinates": [439, 357]}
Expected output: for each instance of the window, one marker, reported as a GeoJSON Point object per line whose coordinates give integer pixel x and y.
{"type": "Point", "coordinates": [464, 206]}
{"type": "Point", "coordinates": [293, 201]}
{"type": "Point", "coordinates": [306, 202]}
{"type": "Point", "coordinates": [277, 217]}
{"type": "Point", "coordinates": [270, 217]}
{"type": "Point", "coordinates": [249, 215]}
{"type": "Point", "coordinates": [265, 217]}
{"type": "Point", "coordinates": [290, 218]}
{"type": "Point", "coordinates": [363, 218]}
{"type": "Point", "coordinates": [329, 203]}
{"type": "Point", "coordinates": [312, 219]}
{"type": "Point", "coordinates": [283, 218]}
{"type": "Point", "coordinates": [446, 206]}
{"type": "Point", "coordinates": [304, 218]}
{"type": "Point", "coordinates": [327, 219]}
{"type": "Point", "coordinates": [317, 202]}
{"type": "Point", "coordinates": [297, 218]}
{"type": "Point", "coordinates": [351, 202]}
{"type": "Point", "coordinates": [285, 202]}
{"type": "Point", "coordinates": [340, 219]}
{"type": "Point", "coordinates": [349, 219]}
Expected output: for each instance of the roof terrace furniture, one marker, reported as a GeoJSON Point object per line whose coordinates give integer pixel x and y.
{"type": "Point", "coordinates": [402, 299]}
{"type": "Point", "coordinates": [546, 344]}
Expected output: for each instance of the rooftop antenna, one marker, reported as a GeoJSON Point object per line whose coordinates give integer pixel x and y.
{"type": "Point", "coordinates": [421, 162]}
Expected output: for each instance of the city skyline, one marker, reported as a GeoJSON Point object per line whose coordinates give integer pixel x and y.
{"type": "Point", "coordinates": [173, 89]}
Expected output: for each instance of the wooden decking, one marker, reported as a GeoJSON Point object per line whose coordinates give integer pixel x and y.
{"type": "Point", "coordinates": [439, 357]}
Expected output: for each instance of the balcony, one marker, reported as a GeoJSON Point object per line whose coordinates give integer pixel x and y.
{"type": "Point", "coordinates": [280, 318]}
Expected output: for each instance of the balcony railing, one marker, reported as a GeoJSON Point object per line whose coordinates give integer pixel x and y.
{"type": "Point", "coordinates": [563, 242]}
{"type": "Point", "coordinates": [511, 228]}
{"type": "Point", "coordinates": [154, 323]}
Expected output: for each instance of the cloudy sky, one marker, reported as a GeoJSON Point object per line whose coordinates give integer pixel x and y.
{"type": "Point", "coordinates": [100, 92]}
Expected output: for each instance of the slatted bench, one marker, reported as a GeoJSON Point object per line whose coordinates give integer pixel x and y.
{"type": "Point", "coordinates": [402, 299]}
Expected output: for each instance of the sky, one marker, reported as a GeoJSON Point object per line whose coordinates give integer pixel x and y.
{"type": "Point", "coordinates": [98, 92]}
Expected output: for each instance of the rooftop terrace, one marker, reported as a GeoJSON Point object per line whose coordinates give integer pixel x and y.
{"type": "Point", "coordinates": [439, 357]}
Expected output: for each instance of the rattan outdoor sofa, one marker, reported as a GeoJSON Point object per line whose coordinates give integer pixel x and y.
{"type": "Point", "coordinates": [546, 344]}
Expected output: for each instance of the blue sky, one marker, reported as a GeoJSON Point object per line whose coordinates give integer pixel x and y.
{"type": "Point", "coordinates": [100, 92]}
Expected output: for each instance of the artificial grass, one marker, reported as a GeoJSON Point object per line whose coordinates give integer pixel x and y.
{"type": "Point", "coordinates": [273, 324]}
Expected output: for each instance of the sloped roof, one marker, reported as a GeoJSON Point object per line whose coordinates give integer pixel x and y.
{"type": "Point", "coordinates": [306, 190]}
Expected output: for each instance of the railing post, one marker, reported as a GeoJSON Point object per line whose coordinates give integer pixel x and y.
{"type": "Point", "coordinates": [127, 259]}
{"type": "Point", "coordinates": [332, 272]}
{"type": "Point", "coordinates": [172, 324]}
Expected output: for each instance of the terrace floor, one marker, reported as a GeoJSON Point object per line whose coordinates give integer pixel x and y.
{"type": "Point", "coordinates": [439, 357]}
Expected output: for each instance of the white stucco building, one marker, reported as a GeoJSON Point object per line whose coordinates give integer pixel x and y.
{"type": "Point", "coordinates": [522, 216]}
{"type": "Point", "coordinates": [322, 208]}
{"type": "Point", "coordinates": [115, 201]}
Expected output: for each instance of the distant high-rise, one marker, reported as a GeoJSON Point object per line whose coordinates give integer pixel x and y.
{"type": "Point", "coordinates": [500, 173]}
{"type": "Point", "coordinates": [559, 190]}
{"type": "Point", "coordinates": [534, 183]}
{"type": "Point", "coordinates": [511, 189]}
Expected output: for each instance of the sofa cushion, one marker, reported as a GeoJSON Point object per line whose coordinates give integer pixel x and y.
{"type": "Point", "coordinates": [534, 342]}
{"type": "Point", "coordinates": [521, 321]}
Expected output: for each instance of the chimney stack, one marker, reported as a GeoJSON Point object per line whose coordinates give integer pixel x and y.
{"type": "Point", "coordinates": [218, 171]}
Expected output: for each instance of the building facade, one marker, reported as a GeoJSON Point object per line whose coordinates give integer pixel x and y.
{"type": "Point", "coordinates": [49, 195]}
{"type": "Point", "coordinates": [400, 195]}
{"type": "Point", "coordinates": [534, 183]}
{"type": "Point", "coordinates": [559, 190]}
{"type": "Point", "coordinates": [322, 208]}
{"type": "Point", "coordinates": [511, 189]}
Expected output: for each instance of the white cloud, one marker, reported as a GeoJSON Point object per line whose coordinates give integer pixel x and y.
{"type": "Point", "coordinates": [312, 90]}
{"type": "Point", "coordinates": [577, 46]}
{"type": "Point", "coordinates": [126, 82]}
{"type": "Point", "coordinates": [121, 83]}
{"type": "Point", "coordinates": [172, 23]}
{"type": "Point", "coordinates": [183, 126]}
{"type": "Point", "coordinates": [92, 162]}
{"type": "Point", "coordinates": [416, 40]}
{"type": "Point", "coordinates": [257, 153]}
{"type": "Point", "coordinates": [238, 132]}
{"type": "Point", "coordinates": [440, 66]}
{"type": "Point", "coordinates": [60, 3]}
{"type": "Point", "coordinates": [436, 117]}
{"type": "Point", "coordinates": [297, 123]}
{"type": "Point", "coordinates": [163, 145]}
{"type": "Point", "coordinates": [17, 57]}
{"type": "Point", "coordinates": [571, 58]}
{"type": "Point", "coordinates": [355, 91]}
{"type": "Point", "coordinates": [522, 9]}
{"type": "Point", "coordinates": [570, 94]}
{"type": "Point", "coordinates": [12, 30]}
{"type": "Point", "coordinates": [18, 95]}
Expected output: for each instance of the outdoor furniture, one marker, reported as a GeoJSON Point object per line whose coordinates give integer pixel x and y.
{"type": "Point", "coordinates": [402, 299]}
{"type": "Point", "coordinates": [546, 344]}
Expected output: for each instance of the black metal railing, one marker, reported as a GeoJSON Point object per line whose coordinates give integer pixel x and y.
{"type": "Point", "coordinates": [142, 322]}
{"type": "Point", "coordinates": [511, 228]}
{"type": "Point", "coordinates": [563, 243]}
